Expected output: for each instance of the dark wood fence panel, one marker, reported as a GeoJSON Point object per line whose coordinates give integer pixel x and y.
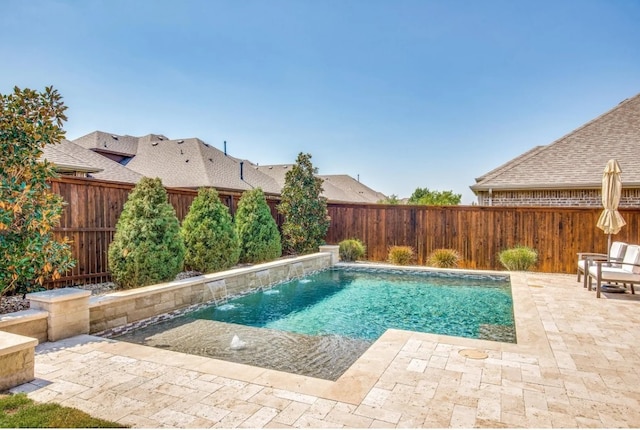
{"type": "Point", "coordinates": [478, 233]}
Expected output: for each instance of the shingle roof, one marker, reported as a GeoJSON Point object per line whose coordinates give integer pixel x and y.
{"type": "Point", "coordinates": [350, 190]}
{"type": "Point", "coordinates": [68, 155]}
{"type": "Point", "coordinates": [577, 159]}
{"type": "Point", "coordinates": [109, 143]}
{"type": "Point", "coordinates": [193, 163]}
{"type": "Point", "coordinates": [341, 188]}
{"type": "Point", "coordinates": [65, 162]}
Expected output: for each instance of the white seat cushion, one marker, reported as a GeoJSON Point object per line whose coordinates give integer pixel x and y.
{"type": "Point", "coordinates": [616, 274]}
{"type": "Point", "coordinates": [631, 256]}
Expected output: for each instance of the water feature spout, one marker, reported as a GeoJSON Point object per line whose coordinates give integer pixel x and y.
{"type": "Point", "coordinates": [236, 343]}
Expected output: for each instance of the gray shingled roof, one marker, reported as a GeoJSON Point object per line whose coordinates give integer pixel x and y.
{"type": "Point", "coordinates": [192, 163]}
{"type": "Point", "coordinates": [339, 188]}
{"type": "Point", "coordinates": [577, 159]}
{"type": "Point", "coordinates": [69, 156]}
{"type": "Point", "coordinates": [109, 143]}
{"type": "Point", "coordinates": [350, 188]}
{"type": "Point", "coordinates": [64, 162]}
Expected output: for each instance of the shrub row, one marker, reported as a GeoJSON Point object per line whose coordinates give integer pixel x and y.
{"type": "Point", "coordinates": [515, 259]}
{"type": "Point", "coordinates": [150, 246]}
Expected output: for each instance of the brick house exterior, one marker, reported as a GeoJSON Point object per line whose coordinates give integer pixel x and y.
{"type": "Point", "coordinates": [568, 172]}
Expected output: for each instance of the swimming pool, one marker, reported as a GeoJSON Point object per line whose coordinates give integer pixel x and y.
{"type": "Point", "coordinates": [319, 325]}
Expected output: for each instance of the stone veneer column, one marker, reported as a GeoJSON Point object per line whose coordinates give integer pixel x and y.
{"type": "Point", "coordinates": [68, 310]}
{"type": "Point", "coordinates": [334, 250]}
{"type": "Point", "coordinates": [16, 359]}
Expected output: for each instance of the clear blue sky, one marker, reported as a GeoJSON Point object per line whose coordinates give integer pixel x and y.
{"type": "Point", "coordinates": [403, 93]}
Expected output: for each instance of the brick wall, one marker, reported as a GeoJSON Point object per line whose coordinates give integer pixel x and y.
{"type": "Point", "coordinates": [583, 198]}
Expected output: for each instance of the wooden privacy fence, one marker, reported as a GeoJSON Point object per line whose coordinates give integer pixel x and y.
{"type": "Point", "coordinates": [92, 211]}
{"type": "Point", "coordinates": [478, 233]}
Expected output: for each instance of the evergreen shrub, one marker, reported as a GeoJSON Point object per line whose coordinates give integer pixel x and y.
{"type": "Point", "coordinates": [304, 209]}
{"type": "Point", "coordinates": [209, 235]}
{"type": "Point", "coordinates": [147, 247]}
{"type": "Point", "coordinates": [256, 229]}
{"type": "Point", "coordinates": [29, 211]}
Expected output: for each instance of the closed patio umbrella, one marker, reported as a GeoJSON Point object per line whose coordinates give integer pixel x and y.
{"type": "Point", "coordinates": [610, 220]}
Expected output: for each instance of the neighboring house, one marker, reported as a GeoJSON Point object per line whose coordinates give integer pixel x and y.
{"type": "Point", "coordinates": [568, 172]}
{"type": "Point", "coordinates": [338, 188]}
{"type": "Point", "coordinates": [70, 159]}
{"type": "Point", "coordinates": [191, 163]}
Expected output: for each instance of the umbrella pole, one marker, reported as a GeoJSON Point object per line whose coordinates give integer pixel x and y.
{"type": "Point", "coordinates": [608, 246]}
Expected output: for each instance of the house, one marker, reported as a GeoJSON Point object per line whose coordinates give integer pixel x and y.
{"type": "Point", "coordinates": [339, 188]}
{"type": "Point", "coordinates": [568, 172]}
{"type": "Point", "coordinates": [70, 159]}
{"type": "Point", "coordinates": [192, 163]}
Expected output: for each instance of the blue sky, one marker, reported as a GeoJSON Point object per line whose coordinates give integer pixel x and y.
{"type": "Point", "coordinates": [403, 93]}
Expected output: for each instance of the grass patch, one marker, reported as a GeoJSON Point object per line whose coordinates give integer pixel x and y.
{"type": "Point", "coordinates": [19, 411]}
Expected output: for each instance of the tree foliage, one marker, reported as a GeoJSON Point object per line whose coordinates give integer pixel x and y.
{"type": "Point", "coordinates": [209, 235]}
{"type": "Point", "coordinates": [391, 200]}
{"type": "Point", "coordinates": [257, 230]}
{"type": "Point", "coordinates": [305, 210]}
{"type": "Point", "coordinates": [424, 196]}
{"type": "Point", "coordinates": [147, 247]}
{"type": "Point", "coordinates": [29, 254]}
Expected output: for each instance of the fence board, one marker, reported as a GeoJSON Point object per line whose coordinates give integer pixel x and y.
{"type": "Point", "coordinates": [478, 233]}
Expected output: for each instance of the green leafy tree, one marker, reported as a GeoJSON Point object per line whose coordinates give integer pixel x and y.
{"type": "Point", "coordinates": [147, 247]}
{"type": "Point", "coordinates": [391, 200]}
{"type": "Point", "coordinates": [29, 254]}
{"type": "Point", "coordinates": [424, 196]}
{"type": "Point", "coordinates": [209, 235]}
{"type": "Point", "coordinates": [305, 210]}
{"type": "Point", "coordinates": [256, 228]}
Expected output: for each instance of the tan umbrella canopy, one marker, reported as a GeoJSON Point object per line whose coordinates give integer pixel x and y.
{"type": "Point", "coordinates": [610, 220]}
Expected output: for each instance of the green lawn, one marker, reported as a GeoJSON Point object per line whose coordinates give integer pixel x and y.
{"type": "Point", "coordinates": [20, 411]}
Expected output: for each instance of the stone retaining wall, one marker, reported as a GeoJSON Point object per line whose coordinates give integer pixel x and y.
{"type": "Point", "coordinates": [124, 307]}
{"type": "Point", "coordinates": [32, 323]}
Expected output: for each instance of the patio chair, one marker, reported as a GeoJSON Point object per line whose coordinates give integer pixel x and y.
{"type": "Point", "coordinates": [627, 273]}
{"type": "Point", "coordinates": [616, 254]}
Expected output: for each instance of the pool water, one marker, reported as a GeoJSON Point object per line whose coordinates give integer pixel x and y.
{"type": "Point", "coordinates": [318, 326]}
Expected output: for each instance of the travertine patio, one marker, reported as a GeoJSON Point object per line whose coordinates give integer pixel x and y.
{"type": "Point", "coordinates": [575, 365]}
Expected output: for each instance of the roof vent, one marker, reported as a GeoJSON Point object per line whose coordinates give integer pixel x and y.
{"type": "Point", "coordinates": [180, 141]}
{"type": "Point", "coordinates": [186, 161]}
{"type": "Point", "coordinates": [211, 159]}
{"type": "Point", "coordinates": [104, 144]}
{"type": "Point", "coordinates": [114, 137]}
{"type": "Point", "coordinates": [154, 144]}
{"type": "Point", "coordinates": [181, 152]}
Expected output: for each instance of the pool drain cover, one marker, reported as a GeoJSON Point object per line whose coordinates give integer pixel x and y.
{"type": "Point", "coordinates": [474, 354]}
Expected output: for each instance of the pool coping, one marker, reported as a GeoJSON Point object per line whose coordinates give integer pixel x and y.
{"type": "Point", "coordinates": [364, 373]}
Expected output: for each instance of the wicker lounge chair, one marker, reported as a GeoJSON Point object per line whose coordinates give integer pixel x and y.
{"type": "Point", "coordinates": [616, 254]}
{"type": "Point", "coordinates": [627, 273]}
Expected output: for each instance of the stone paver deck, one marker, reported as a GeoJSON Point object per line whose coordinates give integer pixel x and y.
{"type": "Point", "coordinates": [576, 364]}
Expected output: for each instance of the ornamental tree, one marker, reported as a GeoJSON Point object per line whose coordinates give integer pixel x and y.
{"type": "Point", "coordinates": [305, 210]}
{"type": "Point", "coordinates": [424, 196]}
{"type": "Point", "coordinates": [256, 228]}
{"type": "Point", "coordinates": [29, 253]}
{"type": "Point", "coordinates": [209, 236]}
{"type": "Point", "coordinates": [147, 247]}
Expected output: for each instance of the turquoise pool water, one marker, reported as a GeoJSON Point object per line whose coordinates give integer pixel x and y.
{"type": "Point", "coordinates": [319, 326]}
{"type": "Point", "coordinates": [362, 305]}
